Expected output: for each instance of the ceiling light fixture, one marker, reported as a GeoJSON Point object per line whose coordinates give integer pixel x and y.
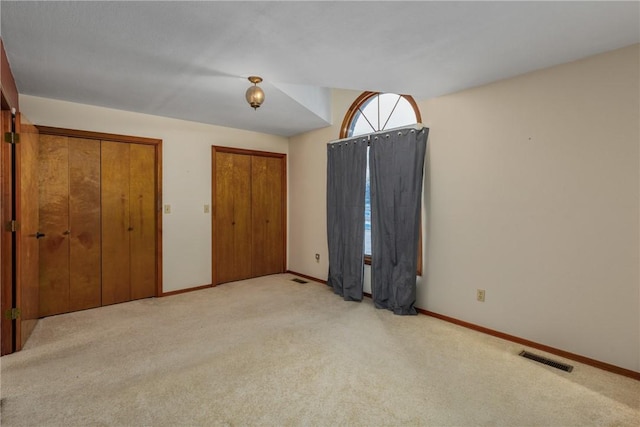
{"type": "Point", "coordinates": [255, 95]}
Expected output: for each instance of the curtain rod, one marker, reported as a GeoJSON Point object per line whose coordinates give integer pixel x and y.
{"type": "Point", "coordinates": [417, 126]}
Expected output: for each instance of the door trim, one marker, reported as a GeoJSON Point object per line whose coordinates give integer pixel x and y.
{"type": "Point", "coordinates": [157, 143]}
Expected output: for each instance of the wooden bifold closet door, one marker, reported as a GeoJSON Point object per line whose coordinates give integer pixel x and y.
{"type": "Point", "coordinates": [99, 215]}
{"type": "Point", "coordinates": [70, 221]}
{"type": "Point", "coordinates": [249, 214]}
{"type": "Point", "coordinates": [232, 213]}
{"type": "Point", "coordinates": [128, 222]}
{"type": "Point", "coordinates": [267, 216]}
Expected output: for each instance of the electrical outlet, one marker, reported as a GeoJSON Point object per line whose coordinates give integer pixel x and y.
{"type": "Point", "coordinates": [317, 257]}
{"type": "Point", "coordinates": [167, 209]}
{"type": "Point", "coordinates": [480, 295]}
{"type": "Point", "coordinates": [206, 208]}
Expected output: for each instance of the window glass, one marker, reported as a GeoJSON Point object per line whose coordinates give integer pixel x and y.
{"type": "Point", "coordinates": [403, 115]}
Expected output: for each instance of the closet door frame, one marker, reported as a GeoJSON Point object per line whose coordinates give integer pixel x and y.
{"type": "Point", "coordinates": [157, 143]}
{"type": "Point", "coordinates": [231, 150]}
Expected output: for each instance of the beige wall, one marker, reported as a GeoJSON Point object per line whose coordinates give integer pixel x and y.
{"type": "Point", "coordinates": [186, 169]}
{"type": "Point", "coordinates": [532, 193]}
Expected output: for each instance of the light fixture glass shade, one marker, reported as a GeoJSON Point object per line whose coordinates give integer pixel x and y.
{"type": "Point", "coordinates": [255, 95]}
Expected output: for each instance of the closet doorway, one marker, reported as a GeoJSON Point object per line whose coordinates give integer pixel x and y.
{"type": "Point", "coordinates": [99, 207]}
{"type": "Point", "coordinates": [249, 213]}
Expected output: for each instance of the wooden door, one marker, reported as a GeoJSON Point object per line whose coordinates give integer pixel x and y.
{"type": "Point", "coordinates": [20, 251]}
{"type": "Point", "coordinates": [267, 215]}
{"type": "Point", "coordinates": [142, 221]}
{"type": "Point", "coordinates": [29, 283]}
{"type": "Point", "coordinates": [116, 260]}
{"type": "Point", "coordinates": [84, 224]}
{"type": "Point", "coordinates": [54, 224]}
{"type": "Point", "coordinates": [8, 250]}
{"type": "Point", "coordinates": [128, 221]}
{"type": "Point", "coordinates": [70, 221]}
{"type": "Point", "coordinates": [108, 240]}
{"type": "Point", "coordinates": [232, 217]}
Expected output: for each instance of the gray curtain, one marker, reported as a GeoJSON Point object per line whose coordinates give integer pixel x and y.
{"type": "Point", "coordinates": [346, 175]}
{"type": "Point", "coordinates": [396, 164]}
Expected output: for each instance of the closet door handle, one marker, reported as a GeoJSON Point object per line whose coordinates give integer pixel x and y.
{"type": "Point", "coordinates": [66, 232]}
{"type": "Point", "coordinates": [39, 235]}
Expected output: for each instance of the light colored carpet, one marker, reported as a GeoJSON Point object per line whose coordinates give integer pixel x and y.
{"type": "Point", "coordinates": [272, 352]}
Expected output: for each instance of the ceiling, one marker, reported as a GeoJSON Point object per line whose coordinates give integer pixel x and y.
{"type": "Point", "coordinates": [191, 60]}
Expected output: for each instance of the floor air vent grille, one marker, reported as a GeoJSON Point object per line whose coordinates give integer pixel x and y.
{"type": "Point", "coordinates": [299, 280]}
{"type": "Point", "coordinates": [553, 363]}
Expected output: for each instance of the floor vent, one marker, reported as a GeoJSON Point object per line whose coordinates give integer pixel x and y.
{"type": "Point", "coordinates": [553, 363]}
{"type": "Point", "coordinates": [299, 280]}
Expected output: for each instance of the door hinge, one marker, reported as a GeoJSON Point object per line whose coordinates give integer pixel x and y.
{"type": "Point", "coordinates": [12, 313]}
{"type": "Point", "coordinates": [11, 137]}
{"type": "Point", "coordinates": [13, 226]}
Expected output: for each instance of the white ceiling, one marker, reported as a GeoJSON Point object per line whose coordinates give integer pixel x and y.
{"type": "Point", "coordinates": [190, 60]}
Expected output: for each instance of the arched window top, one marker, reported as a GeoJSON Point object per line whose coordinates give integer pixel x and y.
{"type": "Point", "coordinates": [376, 111]}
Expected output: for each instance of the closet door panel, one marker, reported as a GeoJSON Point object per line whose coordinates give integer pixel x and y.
{"type": "Point", "coordinates": [143, 223]}
{"type": "Point", "coordinates": [274, 212]}
{"type": "Point", "coordinates": [242, 213]}
{"type": "Point", "coordinates": [223, 219]}
{"type": "Point", "coordinates": [267, 212]}
{"type": "Point", "coordinates": [84, 219]}
{"type": "Point", "coordinates": [259, 201]}
{"type": "Point", "coordinates": [232, 236]}
{"type": "Point", "coordinates": [115, 165]}
{"type": "Point", "coordinates": [54, 222]}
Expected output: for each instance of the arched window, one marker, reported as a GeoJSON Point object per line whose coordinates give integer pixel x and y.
{"type": "Point", "coordinates": [373, 112]}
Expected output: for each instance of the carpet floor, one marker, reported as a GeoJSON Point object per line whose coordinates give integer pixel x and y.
{"type": "Point", "coordinates": [272, 352]}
